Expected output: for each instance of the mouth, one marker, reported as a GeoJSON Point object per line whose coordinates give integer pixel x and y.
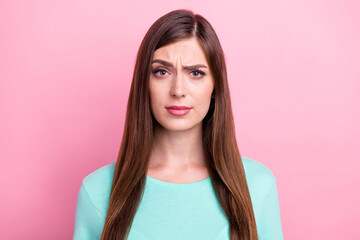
{"type": "Point", "coordinates": [178, 107]}
{"type": "Point", "coordinates": [178, 110]}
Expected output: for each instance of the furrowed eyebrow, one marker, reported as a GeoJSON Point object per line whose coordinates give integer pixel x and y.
{"type": "Point", "coordinates": [193, 67]}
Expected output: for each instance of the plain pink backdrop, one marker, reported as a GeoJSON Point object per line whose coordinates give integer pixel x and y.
{"type": "Point", "coordinates": [65, 74]}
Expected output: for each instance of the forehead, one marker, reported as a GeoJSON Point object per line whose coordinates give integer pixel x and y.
{"type": "Point", "coordinates": [186, 50]}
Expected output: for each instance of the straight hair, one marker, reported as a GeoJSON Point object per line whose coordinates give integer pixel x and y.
{"type": "Point", "coordinates": [223, 157]}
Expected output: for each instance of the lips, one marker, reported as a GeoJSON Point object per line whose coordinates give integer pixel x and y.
{"type": "Point", "coordinates": [178, 110]}
{"type": "Point", "coordinates": [178, 107]}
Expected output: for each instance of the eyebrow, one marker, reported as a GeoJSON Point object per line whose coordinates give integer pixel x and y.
{"type": "Point", "coordinates": [186, 67]}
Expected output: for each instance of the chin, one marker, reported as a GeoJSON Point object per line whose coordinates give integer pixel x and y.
{"type": "Point", "coordinates": [176, 126]}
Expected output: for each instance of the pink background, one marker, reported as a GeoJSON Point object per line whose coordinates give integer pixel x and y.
{"type": "Point", "coordinates": [65, 74]}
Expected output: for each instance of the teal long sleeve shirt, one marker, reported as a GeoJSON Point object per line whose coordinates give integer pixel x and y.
{"type": "Point", "coordinates": [178, 211]}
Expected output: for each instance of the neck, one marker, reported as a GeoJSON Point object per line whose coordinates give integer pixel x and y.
{"type": "Point", "coordinates": [177, 149]}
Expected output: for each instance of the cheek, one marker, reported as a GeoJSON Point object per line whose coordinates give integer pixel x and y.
{"type": "Point", "coordinates": [203, 101]}
{"type": "Point", "coordinates": [155, 94]}
{"type": "Point", "coordinates": [152, 91]}
{"type": "Point", "coordinates": [205, 94]}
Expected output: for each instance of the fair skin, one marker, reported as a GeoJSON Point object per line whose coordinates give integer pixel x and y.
{"type": "Point", "coordinates": [178, 155]}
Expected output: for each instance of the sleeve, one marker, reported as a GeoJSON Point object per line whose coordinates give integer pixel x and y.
{"type": "Point", "coordinates": [270, 227]}
{"type": "Point", "coordinates": [86, 225]}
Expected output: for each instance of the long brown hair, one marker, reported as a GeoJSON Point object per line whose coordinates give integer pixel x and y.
{"type": "Point", "coordinates": [223, 157]}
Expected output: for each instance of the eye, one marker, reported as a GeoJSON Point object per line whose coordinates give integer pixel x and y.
{"type": "Point", "coordinates": [161, 71]}
{"type": "Point", "coordinates": [198, 73]}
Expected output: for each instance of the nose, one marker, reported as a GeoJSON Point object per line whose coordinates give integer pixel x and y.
{"type": "Point", "coordinates": [178, 86]}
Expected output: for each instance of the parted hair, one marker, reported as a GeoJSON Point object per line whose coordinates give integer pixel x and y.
{"type": "Point", "coordinates": [223, 157]}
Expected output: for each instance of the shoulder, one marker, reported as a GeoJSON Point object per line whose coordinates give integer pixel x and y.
{"type": "Point", "coordinates": [255, 170]}
{"type": "Point", "coordinates": [258, 176]}
{"type": "Point", "coordinates": [100, 176]}
{"type": "Point", "coordinates": [97, 184]}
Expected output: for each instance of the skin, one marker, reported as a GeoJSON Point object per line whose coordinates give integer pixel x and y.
{"type": "Point", "coordinates": [178, 155]}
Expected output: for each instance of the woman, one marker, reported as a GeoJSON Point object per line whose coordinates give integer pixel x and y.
{"type": "Point", "coordinates": [179, 173]}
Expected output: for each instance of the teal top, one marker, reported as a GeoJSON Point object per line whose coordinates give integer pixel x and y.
{"type": "Point", "coordinates": [178, 211]}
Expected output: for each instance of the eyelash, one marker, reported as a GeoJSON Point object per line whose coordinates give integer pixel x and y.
{"type": "Point", "coordinates": [200, 72]}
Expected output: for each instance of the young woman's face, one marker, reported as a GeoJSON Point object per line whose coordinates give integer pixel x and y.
{"type": "Point", "coordinates": [175, 80]}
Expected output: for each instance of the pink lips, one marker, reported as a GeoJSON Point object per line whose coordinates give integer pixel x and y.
{"type": "Point", "coordinates": [178, 110]}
